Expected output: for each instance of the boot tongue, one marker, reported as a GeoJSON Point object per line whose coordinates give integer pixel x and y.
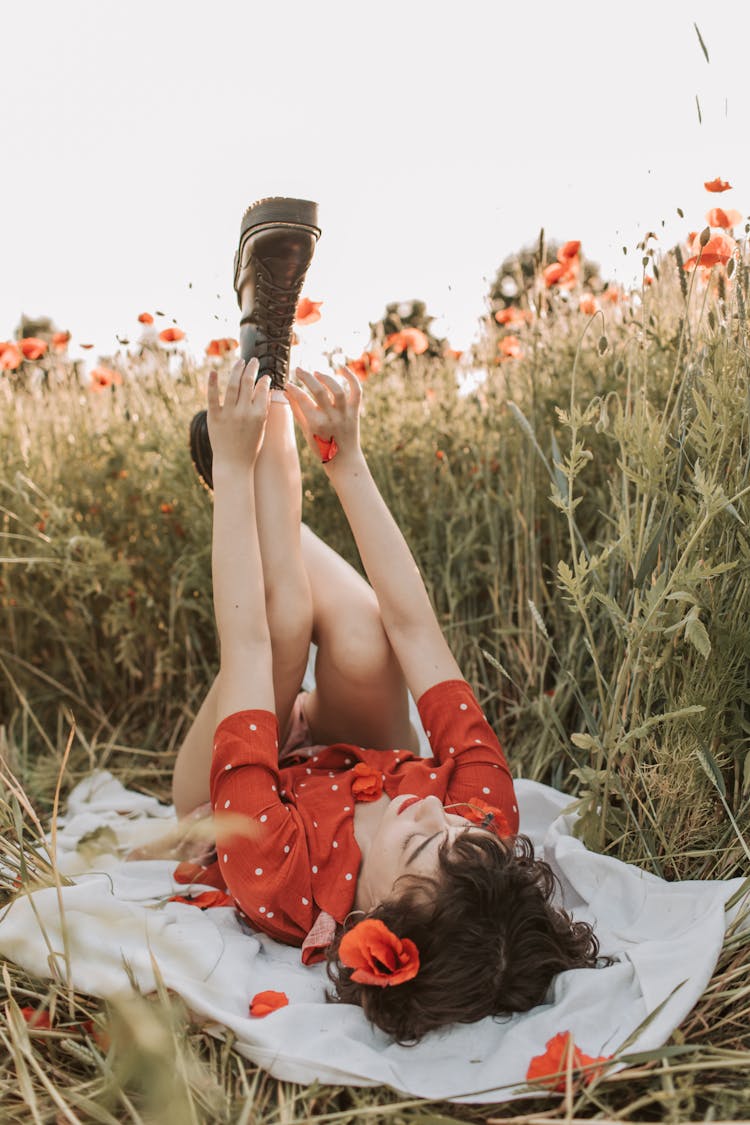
{"type": "Point", "coordinates": [275, 306]}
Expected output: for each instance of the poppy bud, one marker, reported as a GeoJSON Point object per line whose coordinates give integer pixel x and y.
{"type": "Point", "coordinates": [705, 235]}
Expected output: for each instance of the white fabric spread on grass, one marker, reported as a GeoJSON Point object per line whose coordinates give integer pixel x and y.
{"type": "Point", "coordinates": [665, 939]}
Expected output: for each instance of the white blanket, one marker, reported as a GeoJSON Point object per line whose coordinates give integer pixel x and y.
{"type": "Point", "coordinates": [665, 939]}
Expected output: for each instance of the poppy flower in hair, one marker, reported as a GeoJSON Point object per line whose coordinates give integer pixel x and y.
{"type": "Point", "coordinates": [486, 816]}
{"type": "Point", "coordinates": [377, 955]}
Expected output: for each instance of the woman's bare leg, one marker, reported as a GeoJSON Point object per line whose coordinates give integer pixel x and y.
{"type": "Point", "coordinates": [289, 607]}
{"type": "Point", "coordinates": [360, 694]}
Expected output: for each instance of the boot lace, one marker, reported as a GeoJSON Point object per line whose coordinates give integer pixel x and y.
{"type": "Point", "coordinates": [273, 312]}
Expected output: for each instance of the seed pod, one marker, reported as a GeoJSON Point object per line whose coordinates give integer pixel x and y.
{"type": "Point", "coordinates": [681, 272]}
{"type": "Point", "coordinates": [602, 345]}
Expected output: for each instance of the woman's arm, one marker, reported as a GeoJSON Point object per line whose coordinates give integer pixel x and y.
{"type": "Point", "coordinates": [408, 616]}
{"type": "Point", "coordinates": [236, 432]}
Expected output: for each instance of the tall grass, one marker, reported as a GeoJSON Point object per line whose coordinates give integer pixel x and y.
{"type": "Point", "coordinates": [581, 520]}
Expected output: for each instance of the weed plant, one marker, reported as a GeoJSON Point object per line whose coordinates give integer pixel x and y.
{"type": "Point", "coordinates": [581, 520]}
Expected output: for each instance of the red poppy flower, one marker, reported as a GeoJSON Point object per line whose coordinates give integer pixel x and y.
{"type": "Point", "coordinates": [718, 217]}
{"type": "Point", "coordinates": [368, 784]}
{"type": "Point", "coordinates": [550, 1069]}
{"type": "Point", "coordinates": [510, 347]}
{"type": "Point", "coordinates": [60, 341]}
{"type": "Point", "coordinates": [569, 250]}
{"type": "Point", "coordinates": [479, 812]}
{"type": "Point", "coordinates": [452, 353]}
{"type": "Point", "coordinates": [553, 274]}
{"type": "Point", "coordinates": [166, 509]}
{"type": "Point", "coordinates": [612, 294]}
{"type": "Point", "coordinates": [36, 1019]}
{"type": "Point", "coordinates": [367, 364]}
{"type": "Point", "coordinates": [263, 1003]}
{"type": "Point", "coordinates": [377, 955]}
{"type": "Point", "coordinates": [513, 315]}
{"type": "Point", "coordinates": [102, 377]}
{"type": "Point", "coordinates": [10, 356]}
{"type": "Point", "coordinates": [146, 318]}
{"type": "Point", "coordinates": [171, 335]}
{"type": "Point", "coordinates": [205, 899]}
{"type": "Point", "coordinates": [86, 346]}
{"type": "Point", "coordinates": [32, 347]}
{"type": "Point", "coordinates": [327, 446]}
{"type": "Point", "coordinates": [307, 311]}
{"type": "Point", "coordinates": [588, 304]}
{"type": "Point", "coordinates": [717, 185]}
{"type": "Point", "coordinates": [188, 872]}
{"type": "Point", "coordinates": [222, 346]}
{"type": "Point", "coordinates": [717, 252]}
{"type": "Point", "coordinates": [408, 339]}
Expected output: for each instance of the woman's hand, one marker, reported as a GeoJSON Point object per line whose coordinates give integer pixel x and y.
{"type": "Point", "coordinates": [329, 411]}
{"type": "Point", "coordinates": [236, 428]}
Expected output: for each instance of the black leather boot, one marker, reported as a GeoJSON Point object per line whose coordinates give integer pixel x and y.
{"type": "Point", "coordinates": [277, 242]}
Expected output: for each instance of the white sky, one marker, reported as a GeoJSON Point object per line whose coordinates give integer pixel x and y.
{"type": "Point", "coordinates": [436, 138]}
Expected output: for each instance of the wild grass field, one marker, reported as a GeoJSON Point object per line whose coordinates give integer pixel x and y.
{"type": "Point", "coordinates": [580, 514]}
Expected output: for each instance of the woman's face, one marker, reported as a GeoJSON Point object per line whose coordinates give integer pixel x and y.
{"type": "Point", "coordinates": [406, 843]}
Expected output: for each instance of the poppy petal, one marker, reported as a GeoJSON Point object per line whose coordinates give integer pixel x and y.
{"type": "Point", "coordinates": [263, 1003]}
{"type": "Point", "coordinates": [328, 448]}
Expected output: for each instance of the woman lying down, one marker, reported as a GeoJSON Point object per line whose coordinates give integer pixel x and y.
{"type": "Point", "coordinates": [406, 873]}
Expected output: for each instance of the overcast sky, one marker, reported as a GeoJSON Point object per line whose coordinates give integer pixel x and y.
{"type": "Point", "coordinates": [436, 138]}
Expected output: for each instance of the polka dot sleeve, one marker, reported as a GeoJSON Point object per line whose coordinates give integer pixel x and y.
{"type": "Point", "coordinates": [459, 733]}
{"type": "Point", "coordinates": [261, 841]}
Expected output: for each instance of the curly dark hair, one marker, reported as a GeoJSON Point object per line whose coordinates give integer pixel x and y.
{"type": "Point", "coordinates": [489, 939]}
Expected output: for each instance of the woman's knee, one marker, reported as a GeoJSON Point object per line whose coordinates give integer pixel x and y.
{"type": "Point", "coordinates": [290, 614]}
{"type": "Point", "coordinates": [358, 649]}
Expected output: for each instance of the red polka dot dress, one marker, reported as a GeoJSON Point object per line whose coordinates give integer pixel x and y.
{"type": "Point", "coordinates": [288, 852]}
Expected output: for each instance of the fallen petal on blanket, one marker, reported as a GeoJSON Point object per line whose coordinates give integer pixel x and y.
{"type": "Point", "coordinates": [205, 900]}
{"type": "Point", "coordinates": [561, 1054]}
{"type": "Point", "coordinates": [263, 1003]}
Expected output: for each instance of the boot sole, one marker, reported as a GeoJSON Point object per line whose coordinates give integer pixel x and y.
{"type": "Point", "coordinates": [200, 449]}
{"type": "Point", "coordinates": [275, 212]}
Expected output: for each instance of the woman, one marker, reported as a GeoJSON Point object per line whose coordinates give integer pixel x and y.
{"type": "Point", "coordinates": [407, 873]}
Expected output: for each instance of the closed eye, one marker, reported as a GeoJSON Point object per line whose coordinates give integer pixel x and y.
{"type": "Point", "coordinates": [421, 847]}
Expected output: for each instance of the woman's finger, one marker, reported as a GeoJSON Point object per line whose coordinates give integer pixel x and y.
{"type": "Point", "coordinates": [339, 396]}
{"type": "Point", "coordinates": [354, 384]}
{"type": "Point", "coordinates": [235, 381]}
{"type": "Point", "coordinates": [294, 398]}
{"type": "Point", "coordinates": [319, 393]}
{"type": "Point", "coordinates": [262, 389]}
{"type": "Point", "coordinates": [213, 394]}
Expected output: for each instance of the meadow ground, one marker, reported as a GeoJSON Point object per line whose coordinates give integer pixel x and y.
{"type": "Point", "coordinates": [581, 520]}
